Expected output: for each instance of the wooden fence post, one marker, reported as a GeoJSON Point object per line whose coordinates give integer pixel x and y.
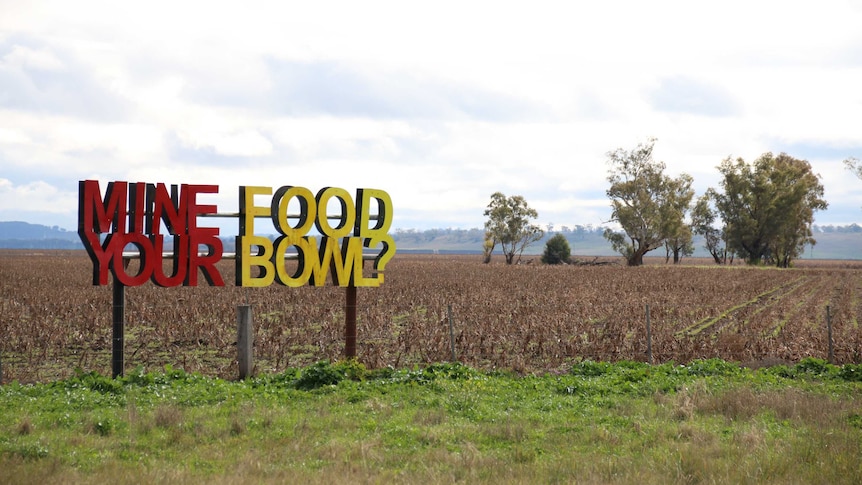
{"type": "Point", "coordinates": [451, 334]}
{"type": "Point", "coordinates": [648, 337]}
{"type": "Point", "coordinates": [244, 340]}
{"type": "Point", "coordinates": [829, 335]}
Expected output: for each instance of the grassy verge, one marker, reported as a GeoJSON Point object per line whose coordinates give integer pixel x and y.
{"type": "Point", "coordinates": [709, 421]}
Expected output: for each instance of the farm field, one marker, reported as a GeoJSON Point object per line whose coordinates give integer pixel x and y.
{"type": "Point", "coordinates": [527, 318]}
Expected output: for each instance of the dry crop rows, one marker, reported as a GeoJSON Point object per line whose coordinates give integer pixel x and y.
{"type": "Point", "coordinates": [527, 318]}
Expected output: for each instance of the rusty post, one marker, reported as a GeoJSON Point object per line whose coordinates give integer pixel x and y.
{"type": "Point", "coordinates": [350, 322]}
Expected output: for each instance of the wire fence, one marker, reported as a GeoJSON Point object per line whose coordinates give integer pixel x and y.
{"type": "Point", "coordinates": [527, 319]}
{"type": "Point", "coordinates": [202, 337]}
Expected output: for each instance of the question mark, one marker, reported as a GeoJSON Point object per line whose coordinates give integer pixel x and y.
{"type": "Point", "coordinates": [386, 253]}
{"type": "Point", "coordinates": [377, 233]}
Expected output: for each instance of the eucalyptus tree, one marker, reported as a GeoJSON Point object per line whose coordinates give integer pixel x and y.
{"type": "Point", "coordinates": [509, 224]}
{"type": "Point", "coordinates": [768, 207]}
{"type": "Point", "coordinates": [703, 218]}
{"type": "Point", "coordinates": [648, 205]}
{"type": "Point", "coordinates": [680, 244]}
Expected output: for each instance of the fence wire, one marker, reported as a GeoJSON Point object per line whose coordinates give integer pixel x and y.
{"type": "Point", "coordinates": [528, 319]}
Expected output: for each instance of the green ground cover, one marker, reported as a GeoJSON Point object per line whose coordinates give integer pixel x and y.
{"type": "Point", "coordinates": [709, 421]}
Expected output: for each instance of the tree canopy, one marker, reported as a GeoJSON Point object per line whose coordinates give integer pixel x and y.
{"type": "Point", "coordinates": [649, 205]}
{"type": "Point", "coordinates": [854, 166]}
{"type": "Point", "coordinates": [768, 207]}
{"type": "Point", "coordinates": [509, 224]}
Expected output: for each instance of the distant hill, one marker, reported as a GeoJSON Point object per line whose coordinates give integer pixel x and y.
{"type": "Point", "coordinates": [22, 235]}
{"type": "Point", "coordinates": [833, 242]}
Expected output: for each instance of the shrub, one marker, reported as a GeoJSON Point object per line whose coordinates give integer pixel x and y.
{"type": "Point", "coordinates": [588, 368]}
{"type": "Point", "coordinates": [815, 367]}
{"type": "Point", "coordinates": [94, 381]}
{"type": "Point", "coordinates": [851, 372]}
{"type": "Point", "coordinates": [712, 367]}
{"type": "Point", "coordinates": [326, 374]}
{"type": "Point", "coordinates": [557, 250]}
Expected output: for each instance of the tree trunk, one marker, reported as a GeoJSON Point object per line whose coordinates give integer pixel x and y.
{"type": "Point", "coordinates": [487, 250]}
{"type": "Point", "coordinates": [637, 258]}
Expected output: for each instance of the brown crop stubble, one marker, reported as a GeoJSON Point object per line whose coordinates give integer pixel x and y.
{"type": "Point", "coordinates": [527, 318]}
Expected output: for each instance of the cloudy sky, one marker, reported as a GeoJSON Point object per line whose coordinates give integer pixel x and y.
{"type": "Point", "coordinates": [438, 103]}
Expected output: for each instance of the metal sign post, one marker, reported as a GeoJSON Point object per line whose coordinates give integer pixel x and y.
{"type": "Point", "coordinates": [350, 322]}
{"type": "Point", "coordinates": [119, 319]}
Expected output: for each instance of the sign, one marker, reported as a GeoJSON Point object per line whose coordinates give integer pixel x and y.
{"type": "Point", "coordinates": [133, 214]}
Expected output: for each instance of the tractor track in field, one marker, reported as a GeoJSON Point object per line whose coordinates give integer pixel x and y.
{"type": "Point", "coordinates": [734, 316]}
{"type": "Point", "coordinates": [813, 292]}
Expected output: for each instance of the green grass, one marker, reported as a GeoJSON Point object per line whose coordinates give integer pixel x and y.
{"type": "Point", "coordinates": [709, 421]}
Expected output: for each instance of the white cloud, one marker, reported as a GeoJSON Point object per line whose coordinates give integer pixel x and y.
{"type": "Point", "coordinates": [441, 104]}
{"type": "Point", "coordinates": [227, 142]}
{"type": "Point", "coordinates": [11, 136]}
{"type": "Point", "coordinates": [42, 59]}
{"type": "Point", "coordinates": [36, 197]}
{"type": "Point", "coordinates": [243, 144]}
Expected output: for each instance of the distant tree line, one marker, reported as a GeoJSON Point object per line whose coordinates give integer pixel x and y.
{"type": "Point", "coordinates": [829, 229]}
{"type": "Point", "coordinates": [762, 212]}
